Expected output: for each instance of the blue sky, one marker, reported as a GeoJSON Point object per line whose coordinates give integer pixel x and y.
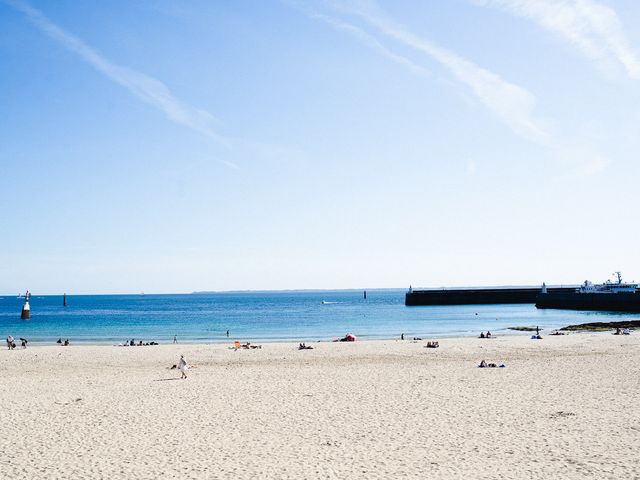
{"type": "Point", "coordinates": [172, 146]}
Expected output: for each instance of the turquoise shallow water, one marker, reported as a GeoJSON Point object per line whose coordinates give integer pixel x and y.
{"type": "Point", "coordinates": [265, 316]}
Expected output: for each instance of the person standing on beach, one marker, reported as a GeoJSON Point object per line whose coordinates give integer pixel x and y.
{"type": "Point", "coordinates": [227, 333]}
{"type": "Point", "coordinates": [183, 367]}
{"type": "Point", "coordinates": [175, 339]}
{"type": "Point", "coordinates": [9, 342]}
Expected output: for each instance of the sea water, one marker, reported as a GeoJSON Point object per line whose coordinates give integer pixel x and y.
{"type": "Point", "coordinates": [266, 316]}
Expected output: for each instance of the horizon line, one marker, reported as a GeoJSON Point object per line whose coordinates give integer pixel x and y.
{"type": "Point", "coordinates": [296, 290]}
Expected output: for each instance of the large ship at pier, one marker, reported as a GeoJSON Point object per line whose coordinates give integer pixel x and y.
{"type": "Point", "coordinates": [616, 296]}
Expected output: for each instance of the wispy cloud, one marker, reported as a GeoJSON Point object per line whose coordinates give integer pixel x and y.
{"type": "Point", "coordinates": [511, 103]}
{"type": "Point", "coordinates": [370, 41]}
{"type": "Point", "coordinates": [593, 27]}
{"type": "Point", "coordinates": [145, 87]}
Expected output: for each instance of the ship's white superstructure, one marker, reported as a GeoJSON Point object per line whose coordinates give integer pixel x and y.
{"type": "Point", "coordinates": [609, 287]}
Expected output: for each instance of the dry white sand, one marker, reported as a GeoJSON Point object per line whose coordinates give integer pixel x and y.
{"type": "Point", "coordinates": [565, 407]}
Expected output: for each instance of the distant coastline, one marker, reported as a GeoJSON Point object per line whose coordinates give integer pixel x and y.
{"type": "Point", "coordinates": [302, 290]}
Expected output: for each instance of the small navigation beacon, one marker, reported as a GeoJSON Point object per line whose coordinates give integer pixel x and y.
{"type": "Point", "coordinates": [26, 309]}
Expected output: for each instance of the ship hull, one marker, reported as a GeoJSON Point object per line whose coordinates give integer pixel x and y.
{"type": "Point", "coordinates": [613, 302]}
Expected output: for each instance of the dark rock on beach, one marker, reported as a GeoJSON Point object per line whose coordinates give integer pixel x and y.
{"type": "Point", "coordinates": [602, 326]}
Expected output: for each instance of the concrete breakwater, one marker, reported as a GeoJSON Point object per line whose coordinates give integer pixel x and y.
{"type": "Point", "coordinates": [478, 296]}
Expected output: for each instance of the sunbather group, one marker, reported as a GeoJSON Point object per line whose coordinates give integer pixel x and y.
{"type": "Point", "coordinates": [132, 343]}
{"type": "Point", "coordinates": [484, 364]}
{"type": "Point", "coordinates": [237, 346]}
{"type": "Point", "coordinates": [624, 331]}
{"type": "Point", "coordinates": [485, 335]}
{"type": "Point", "coordinates": [433, 344]}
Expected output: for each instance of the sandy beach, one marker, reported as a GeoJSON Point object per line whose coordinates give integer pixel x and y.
{"type": "Point", "coordinates": [564, 407]}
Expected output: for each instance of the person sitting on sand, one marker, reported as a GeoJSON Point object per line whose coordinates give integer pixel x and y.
{"type": "Point", "coordinates": [184, 368]}
{"type": "Point", "coordinates": [626, 332]}
{"type": "Point", "coordinates": [66, 342]}
{"type": "Point", "coordinates": [484, 364]}
{"type": "Point", "coordinates": [481, 334]}
{"type": "Point", "coordinates": [488, 334]}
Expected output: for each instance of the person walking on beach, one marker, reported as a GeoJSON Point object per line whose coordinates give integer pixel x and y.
{"type": "Point", "coordinates": [183, 367]}
{"type": "Point", "coordinates": [227, 333]}
{"type": "Point", "coordinates": [175, 339]}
